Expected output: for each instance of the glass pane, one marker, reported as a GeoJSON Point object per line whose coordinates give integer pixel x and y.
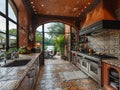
{"type": "Point", "coordinates": [12, 41]}
{"type": "Point", "coordinates": [84, 64]}
{"type": "Point", "coordinates": [11, 12]}
{"type": "Point", "coordinates": [12, 28]}
{"type": "Point", "coordinates": [55, 27]}
{"type": "Point", "coordinates": [2, 40]}
{"type": "Point", "coordinates": [2, 24]}
{"type": "Point", "coordinates": [39, 29]}
{"type": "Point", "coordinates": [2, 6]}
{"type": "Point", "coordinates": [94, 69]}
{"type": "Point", "coordinates": [38, 36]}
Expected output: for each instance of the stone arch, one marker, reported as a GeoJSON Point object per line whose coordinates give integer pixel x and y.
{"type": "Point", "coordinates": [61, 21]}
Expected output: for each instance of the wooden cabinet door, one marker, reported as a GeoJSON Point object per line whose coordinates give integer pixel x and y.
{"type": "Point", "coordinates": [25, 84]}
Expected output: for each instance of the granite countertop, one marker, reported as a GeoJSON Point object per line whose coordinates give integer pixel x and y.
{"type": "Point", "coordinates": [114, 62]}
{"type": "Point", "coordinates": [10, 77]}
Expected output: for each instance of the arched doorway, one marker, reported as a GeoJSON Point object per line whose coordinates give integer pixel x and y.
{"type": "Point", "coordinates": [46, 35]}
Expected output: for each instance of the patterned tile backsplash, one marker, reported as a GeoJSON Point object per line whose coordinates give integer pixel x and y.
{"type": "Point", "coordinates": [107, 40]}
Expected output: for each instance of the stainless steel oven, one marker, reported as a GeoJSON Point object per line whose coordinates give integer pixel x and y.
{"type": "Point", "coordinates": [91, 64]}
{"type": "Point", "coordinates": [92, 69]}
{"type": "Point", "coordinates": [95, 70]}
{"type": "Point", "coordinates": [84, 65]}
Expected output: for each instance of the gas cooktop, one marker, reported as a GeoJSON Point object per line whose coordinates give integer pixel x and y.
{"type": "Point", "coordinates": [97, 57]}
{"type": "Point", "coordinates": [104, 56]}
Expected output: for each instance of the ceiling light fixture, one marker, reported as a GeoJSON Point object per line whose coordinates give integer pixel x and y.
{"type": "Point", "coordinates": [33, 6]}
{"type": "Point", "coordinates": [35, 10]}
{"type": "Point", "coordinates": [85, 7]}
{"type": "Point", "coordinates": [31, 2]}
{"type": "Point", "coordinates": [75, 9]}
{"type": "Point", "coordinates": [42, 5]}
{"type": "Point", "coordinates": [89, 3]}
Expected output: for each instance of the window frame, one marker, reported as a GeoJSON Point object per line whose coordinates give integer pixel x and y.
{"type": "Point", "coordinates": [8, 19]}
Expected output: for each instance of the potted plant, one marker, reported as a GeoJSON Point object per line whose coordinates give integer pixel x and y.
{"type": "Point", "coordinates": [8, 54]}
{"type": "Point", "coordinates": [24, 50]}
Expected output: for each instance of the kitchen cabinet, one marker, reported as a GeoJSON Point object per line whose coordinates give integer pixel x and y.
{"type": "Point", "coordinates": [110, 76]}
{"type": "Point", "coordinates": [30, 78]}
{"type": "Point", "coordinates": [25, 84]}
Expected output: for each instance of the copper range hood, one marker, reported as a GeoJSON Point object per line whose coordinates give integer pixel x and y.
{"type": "Point", "coordinates": [103, 16]}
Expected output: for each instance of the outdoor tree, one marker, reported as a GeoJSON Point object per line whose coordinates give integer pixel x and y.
{"type": "Point", "coordinates": [56, 29]}
{"type": "Point", "coordinates": [13, 31]}
{"type": "Point", "coordinates": [38, 36]}
{"type": "Point", "coordinates": [56, 32]}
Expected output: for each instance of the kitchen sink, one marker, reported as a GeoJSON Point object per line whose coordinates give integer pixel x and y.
{"type": "Point", "coordinates": [17, 63]}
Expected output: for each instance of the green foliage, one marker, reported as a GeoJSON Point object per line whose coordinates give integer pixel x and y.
{"type": "Point", "coordinates": [56, 29]}
{"type": "Point", "coordinates": [48, 41]}
{"type": "Point", "coordinates": [60, 43]}
{"type": "Point", "coordinates": [9, 51]}
{"type": "Point", "coordinates": [13, 31]}
{"type": "Point", "coordinates": [38, 36]}
{"type": "Point", "coordinates": [24, 50]}
{"type": "Point", "coordinates": [45, 47]}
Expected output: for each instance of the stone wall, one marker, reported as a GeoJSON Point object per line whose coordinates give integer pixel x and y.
{"type": "Point", "coordinates": [108, 41]}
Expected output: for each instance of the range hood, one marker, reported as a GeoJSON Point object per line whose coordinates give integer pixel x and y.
{"type": "Point", "coordinates": [100, 26]}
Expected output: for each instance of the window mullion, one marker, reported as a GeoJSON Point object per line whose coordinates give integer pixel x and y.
{"type": "Point", "coordinates": [7, 27]}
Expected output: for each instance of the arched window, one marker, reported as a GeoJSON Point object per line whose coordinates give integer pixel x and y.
{"type": "Point", "coordinates": [8, 25]}
{"type": "Point", "coordinates": [3, 6]}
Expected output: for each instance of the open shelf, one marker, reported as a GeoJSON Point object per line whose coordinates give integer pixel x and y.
{"type": "Point", "coordinates": [114, 79]}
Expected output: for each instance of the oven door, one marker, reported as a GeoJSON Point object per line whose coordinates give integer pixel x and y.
{"type": "Point", "coordinates": [84, 65]}
{"type": "Point", "coordinates": [95, 71]}
{"type": "Point", "coordinates": [79, 61]}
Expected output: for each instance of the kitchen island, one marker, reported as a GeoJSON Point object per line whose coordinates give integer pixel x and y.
{"type": "Point", "coordinates": [14, 78]}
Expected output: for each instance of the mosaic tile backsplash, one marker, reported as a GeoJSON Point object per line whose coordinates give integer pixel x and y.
{"type": "Point", "coordinates": [107, 40]}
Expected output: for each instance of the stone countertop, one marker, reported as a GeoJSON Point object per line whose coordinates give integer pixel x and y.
{"type": "Point", "coordinates": [114, 62]}
{"type": "Point", "coordinates": [10, 77]}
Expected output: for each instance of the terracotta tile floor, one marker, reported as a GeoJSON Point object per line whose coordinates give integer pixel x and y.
{"type": "Point", "coordinates": [50, 77]}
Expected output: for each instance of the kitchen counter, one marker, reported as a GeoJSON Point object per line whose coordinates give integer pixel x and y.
{"type": "Point", "coordinates": [112, 62]}
{"type": "Point", "coordinates": [11, 77]}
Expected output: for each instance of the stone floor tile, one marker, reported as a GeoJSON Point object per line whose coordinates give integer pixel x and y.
{"type": "Point", "coordinates": [51, 77]}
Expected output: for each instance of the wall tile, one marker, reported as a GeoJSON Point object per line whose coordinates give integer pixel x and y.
{"type": "Point", "coordinates": [108, 41]}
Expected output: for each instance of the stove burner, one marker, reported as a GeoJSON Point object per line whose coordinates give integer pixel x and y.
{"type": "Point", "coordinates": [104, 56]}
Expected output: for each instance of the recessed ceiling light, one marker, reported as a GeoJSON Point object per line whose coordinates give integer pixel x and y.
{"type": "Point", "coordinates": [31, 2]}
{"type": "Point", "coordinates": [89, 3]}
{"type": "Point", "coordinates": [34, 9]}
{"type": "Point", "coordinates": [33, 6]}
{"type": "Point", "coordinates": [85, 7]}
{"type": "Point", "coordinates": [42, 5]}
{"type": "Point", "coordinates": [74, 9]}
